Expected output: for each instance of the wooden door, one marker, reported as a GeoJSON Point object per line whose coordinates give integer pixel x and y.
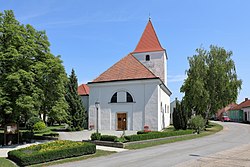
{"type": "Point", "coordinates": [121, 121]}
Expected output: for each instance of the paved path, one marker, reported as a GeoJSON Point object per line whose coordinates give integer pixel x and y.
{"type": "Point", "coordinates": [230, 147]}
{"type": "Point", "coordinates": [5, 149]}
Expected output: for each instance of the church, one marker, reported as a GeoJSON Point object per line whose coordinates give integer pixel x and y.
{"type": "Point", "coordinates": [133, 94]}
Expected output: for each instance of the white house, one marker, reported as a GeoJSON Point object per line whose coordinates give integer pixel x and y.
{"type": "Point", "coordinates": [133, 92]}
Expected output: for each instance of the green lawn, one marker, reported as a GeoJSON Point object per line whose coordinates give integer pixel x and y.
{"type": "Point", "coordinates": [97, 154]}
{"type": "Point", "coordinates": [211, 130]}
{"type": "Point", "coordinates": [56, 127]}
{"type": "Point", "coordinates": [6, 163]}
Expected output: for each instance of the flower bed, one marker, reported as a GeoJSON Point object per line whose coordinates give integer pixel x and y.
{"type": "Point", "coordinates": [154, 135]}
{"type": "Point", "coordinates": [50, 151]}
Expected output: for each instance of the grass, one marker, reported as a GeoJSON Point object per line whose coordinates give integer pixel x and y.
{"type": "Point", "coordinates": [213, 128]}
{"type": "Point", "coordinates": [4, 162]}
{"type": "Point", "coordinates": [73, 159]}
{"type": "Point", "coordinates": [56, 127]}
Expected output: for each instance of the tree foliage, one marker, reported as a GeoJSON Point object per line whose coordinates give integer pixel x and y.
{"type": "Point", "coordinates": [212, 82]}
{"type": "Point", "coordinates": [32, 79]}
{"type": "Point", "coordinates": [76, 111]}
{"type": "Point", "coordinates": [179, 117]}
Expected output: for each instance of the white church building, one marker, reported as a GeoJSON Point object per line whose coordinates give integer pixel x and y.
{"type": "Point", "coordinates": [133, 93]}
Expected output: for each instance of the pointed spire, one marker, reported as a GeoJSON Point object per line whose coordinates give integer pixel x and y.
{"type": "Point", "coordinates": [149, 40]}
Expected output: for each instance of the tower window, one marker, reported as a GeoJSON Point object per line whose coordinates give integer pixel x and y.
{"type": "Point", "coordinates": [147, 58]}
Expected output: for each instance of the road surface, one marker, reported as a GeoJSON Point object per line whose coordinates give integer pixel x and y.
{"type": "Point", "coordinates": [229, 147]}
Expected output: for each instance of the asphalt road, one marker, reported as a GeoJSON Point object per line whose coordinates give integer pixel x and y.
{"type": "Point", "coordinates": [233, 136]}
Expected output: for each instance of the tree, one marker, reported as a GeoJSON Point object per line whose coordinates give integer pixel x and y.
{"type": "Point", "coordinates": [76, 111]}
{"type": "Point", "coordinates": [32, 79]}
{"type": "Point", "coordinates": [197, 123]}
{"type": "Point", "coordinates": [211, 83]}
{"type": "Point", "coordinates": [179, 117]}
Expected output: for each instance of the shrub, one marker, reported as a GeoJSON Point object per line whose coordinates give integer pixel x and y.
{"type": "Point", "coordinates": [120, 139]}
{"type": "Point", "coordinates": [197, 123]}
{"type": "Point", "coordinates": [53, 134]}
{"type": "Point", "coordinates": [154, 135]}
{"type": "Point", "coordinates": [108, 138]}
{"type": "Point", "coordinates": [95, 136]}
{"type": "Point", "coordinates": [26, 136]}
{"type": "Point", "coordinates": [142, 132]}
{"type": "Point", "coordinates": [31, 122]}
{"type": "Point", "coordinates": [50, 151]}
{"type": "Point", "coordinates": [39, 126]}
{"type": "Point", "coordinates": [1, 138]}
{"type": "Point", "coordinates": [46, 130]}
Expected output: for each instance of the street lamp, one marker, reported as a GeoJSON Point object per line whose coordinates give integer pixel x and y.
{"type": "Point", "coordinates": [97, 103]}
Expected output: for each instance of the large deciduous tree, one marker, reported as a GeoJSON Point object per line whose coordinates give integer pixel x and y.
{"type": "Point", "coordinates": [76, 111]}
{"type": "Point", "coordinates": [212, 82]}
{"type": "Point", "coordinates": [32, 79]}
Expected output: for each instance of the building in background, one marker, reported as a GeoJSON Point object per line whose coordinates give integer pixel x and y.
{"type": "Point", "coordinates": [172, 107]}
{"type": "Point", "coordinates": [241, 112]}
{"type": "Point", "coordinates": [224, 111]}
{"type": "Point", "coordinates": [83, 91]}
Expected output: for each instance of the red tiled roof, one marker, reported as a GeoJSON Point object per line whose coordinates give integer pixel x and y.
{"type": "Point", "coordinates": [243, 104]}
{"type": "Point", "coordinates": [83, 89]}
{"type": "Point", "coordinates": [149, 40]}
{"type": "Point", "coordinates": [128, 68]}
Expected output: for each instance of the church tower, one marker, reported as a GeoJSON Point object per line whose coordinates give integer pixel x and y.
{"type": "Point", "coordinates": [151, 54]}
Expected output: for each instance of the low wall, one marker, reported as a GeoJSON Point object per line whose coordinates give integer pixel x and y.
{"type": "Point", "coordinates": [123, 145]}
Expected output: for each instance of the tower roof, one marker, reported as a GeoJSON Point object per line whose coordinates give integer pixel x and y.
{"type": "Point", "coordinates": [149, 41]}
{"type": "Point", "coordinates": [128, 68]}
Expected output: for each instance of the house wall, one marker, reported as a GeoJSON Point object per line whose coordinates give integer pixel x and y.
{"type": "Point", "coordinates": [163, 110]}
{"type": "Point", "coordinates": [85, 102]}
{"type": "Point", "coordinates": [236, 115]}
{"type": "Point", "coordinates": [246, 114]}
{"type": "Point", "coordinates": [143, 111]}
{"type": "Point", "coordinates": [157, 63]}
{"type": "Point", "coordinates": [172, 106]}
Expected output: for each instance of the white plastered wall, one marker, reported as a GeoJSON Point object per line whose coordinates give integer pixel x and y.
{"type": "Point", "coordinates": [143, 111]}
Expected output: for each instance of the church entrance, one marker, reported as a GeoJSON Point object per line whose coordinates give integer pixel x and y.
{"type": "Point", "coordinates": [121, 121]}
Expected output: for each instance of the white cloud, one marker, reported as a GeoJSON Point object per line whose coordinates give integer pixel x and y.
{"type": "Point", "coordinates": [176, 78]}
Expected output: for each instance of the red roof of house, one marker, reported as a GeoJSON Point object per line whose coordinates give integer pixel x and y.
{"type": "Point", "coordinates": [149, 40]}
{"type": "Point", "coordinates": [243, 104]}
{"type": "Point", "coordinates": [83, 90]}
{"type": "Point", "coordinates": [128, 68]}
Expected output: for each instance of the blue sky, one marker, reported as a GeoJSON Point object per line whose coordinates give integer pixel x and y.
{"type": "Point", "coordinates": [92, 35]}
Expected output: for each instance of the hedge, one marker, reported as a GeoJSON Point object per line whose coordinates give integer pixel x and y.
{"type": "Point", "coordinates": [154, 135]}
{"type": "Point", "coordinates": [50, 151]}
{"type": "Point", "coordinates": [108, 138]}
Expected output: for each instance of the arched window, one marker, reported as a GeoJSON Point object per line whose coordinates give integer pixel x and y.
{"type": "Point", "coordinates": [147, 58]}
{"type": "Point", "coordinates": [121, 97]}
{"type": "Point", "coordinates": [114, 98]}
{"type": "Point", "coordinates": [129, 97]}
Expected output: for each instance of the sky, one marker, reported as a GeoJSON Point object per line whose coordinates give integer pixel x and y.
{"type": "Point", "coordinates": [90, 36]}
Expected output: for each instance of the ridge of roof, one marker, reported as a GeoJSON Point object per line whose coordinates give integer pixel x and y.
{"type": "Point", "coordinates": [149, 41]}
{"type": "Point", "coordinates": [128, 68]}
{"type": "Point", "coordinates": [83, 90]}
